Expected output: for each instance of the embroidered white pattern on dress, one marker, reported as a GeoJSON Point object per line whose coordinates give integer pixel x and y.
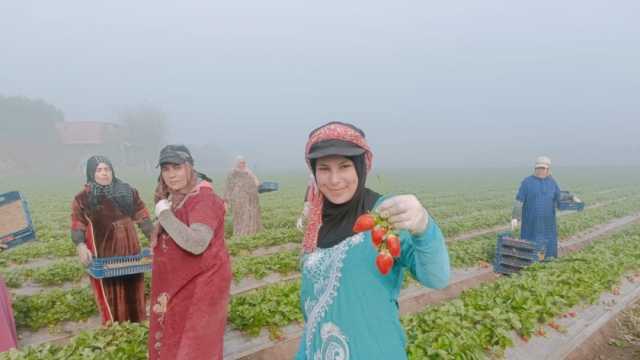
{"type": "Point", "coordinates": [324, 268]}
{"type": "Point", "coordinates": [334, 343]}
{"type": "Point", "coordinates": [160, 309]}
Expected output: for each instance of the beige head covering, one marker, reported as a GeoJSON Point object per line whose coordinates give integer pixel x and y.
{"type": "Point", "coordinates": [543, 162]}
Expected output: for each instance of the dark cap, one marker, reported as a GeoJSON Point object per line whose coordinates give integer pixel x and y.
{"type": "Point", "coordinates": [175, 154]}
{"type": "Point", "coordinates": [334, 147]}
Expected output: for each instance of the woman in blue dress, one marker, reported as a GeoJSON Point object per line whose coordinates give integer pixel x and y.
{"type": "Point", "coordinates": [350, 309]}
{"type": "Point", "coordinates": [535, 205]}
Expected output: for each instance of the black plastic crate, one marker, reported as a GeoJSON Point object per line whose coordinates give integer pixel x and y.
{"type": "Point", "coordinates": [267, 186]}
{"type": "Point", "coordinates": [515, 262]}
{"type": "Point", "coordinates": [513, 255]}
{"type": "Point", "coordinates": [505, 269]}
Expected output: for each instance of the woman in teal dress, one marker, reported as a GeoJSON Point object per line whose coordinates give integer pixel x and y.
{"type": "Point", "coordinates": [350, 309]}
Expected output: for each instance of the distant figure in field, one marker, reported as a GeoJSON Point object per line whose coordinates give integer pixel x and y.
{"type": "Point", "coordinates": [309, 194]}
{"type": "Point", "coordinates": [535, 207]}
{"type": "Point", "coordinates": [241, 198]}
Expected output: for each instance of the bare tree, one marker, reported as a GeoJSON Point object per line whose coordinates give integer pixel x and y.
{"type": "Point", "coordinates": [27, 133]}
{"type": "Point", "coordinates": [146, 134]}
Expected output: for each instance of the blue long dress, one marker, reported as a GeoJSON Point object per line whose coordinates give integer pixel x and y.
{"type": "Point", "coordinates": [350, 309]}
{"type": "Point", "coordinates": [539, 199]}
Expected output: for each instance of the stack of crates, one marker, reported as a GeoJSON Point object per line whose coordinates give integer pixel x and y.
{"type": "Point", "coordinates": [16, 226]}
{"type": "Point", "coordinates": [513, 255]}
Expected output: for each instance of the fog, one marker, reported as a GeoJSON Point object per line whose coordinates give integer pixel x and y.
{"type": "Point", "coordinates": [458, 84]}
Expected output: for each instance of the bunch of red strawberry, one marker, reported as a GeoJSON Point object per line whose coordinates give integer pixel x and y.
{"type": "Point", "coordinates": [383, 238]}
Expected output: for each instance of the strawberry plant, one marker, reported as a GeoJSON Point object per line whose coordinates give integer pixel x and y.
{"type": "Point", "coordinates": [483, 318]}
{"type": "Point", "coordinates": [260, 266]}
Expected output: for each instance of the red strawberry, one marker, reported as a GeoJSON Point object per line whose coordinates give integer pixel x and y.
{"type": "Point", "coordinates": [384, 262]}
{"type": "Point", "coordinates": [572, 314]}
{"type": "Point", "coordinates": [554, 325]}
{"type": "Point", "coordinates": [541, 332]}
{"type": "Point", "coordinates": [525, 338]}
{"type": "Point", "coordinates": [363, 223]}
{"type": "Point", "coordinates": [377, 234]}
{"type": "Point", "coordinates": [393, 244]}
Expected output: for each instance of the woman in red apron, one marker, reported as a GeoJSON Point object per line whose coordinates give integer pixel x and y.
{"type": "Point", "coordinates": [191, 274]}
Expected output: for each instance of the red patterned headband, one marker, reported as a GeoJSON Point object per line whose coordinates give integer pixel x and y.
{"type": "Point", "coordinates": [330, 131]}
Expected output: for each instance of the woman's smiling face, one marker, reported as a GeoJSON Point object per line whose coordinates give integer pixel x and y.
{"type": "Point", "coordinates": [337, 178]}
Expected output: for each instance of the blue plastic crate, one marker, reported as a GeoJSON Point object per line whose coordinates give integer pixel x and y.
{"type": "Point", "coordinates": [565, 195]}
{"type": "Point", "coordinates": [567, 202]}
{"type": "Point", "coordinates": [116, 266]}
{"type": "Point", "coordinates": [570, 206]}
{"type": "Point", "coordinates": [16, 227]}
{"type": "Point", "coordinates": [268, 186]}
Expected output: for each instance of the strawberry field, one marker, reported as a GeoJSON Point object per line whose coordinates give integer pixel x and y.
{"type": "Point", "coordinates": [56, 313]}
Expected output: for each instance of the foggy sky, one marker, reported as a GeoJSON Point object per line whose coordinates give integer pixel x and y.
{"type": "Point", "coordinates": [433, 84]}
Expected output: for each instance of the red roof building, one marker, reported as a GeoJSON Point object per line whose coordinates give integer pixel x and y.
{"type": "Point", "coordinates": [89, 133]}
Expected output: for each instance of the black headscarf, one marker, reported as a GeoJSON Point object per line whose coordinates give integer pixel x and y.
{"type": "Point", "coordinates": [338, 220]}
{"type": "Point", "coordinates": [119, 192]}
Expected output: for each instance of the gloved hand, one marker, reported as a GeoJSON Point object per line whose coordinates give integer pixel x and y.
{"type": "Point", "coordinates": [404, 212]}
{"type": "Point", "coordinates": [300, 224]}
{"type": "Point", "coordinates": [3, 246]}
{"type": "Point", "coordinates": [576, 199]}
{"type": "Point", "coordinates": [161, 206]}
{"type": "Point", "coordinates": [514, 224]}
{"type": "Point", "coordinates": [84, 254]}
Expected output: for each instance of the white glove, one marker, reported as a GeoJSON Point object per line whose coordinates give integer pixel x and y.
{"type": "Point", "coordinates": [576, 199]}
{"type": "Point", "coordinates": [405, 212]}
{"type": "Point", "coordinates": [300, 223]}
{"type": "Point", "coordinates": [3, 246]}
{"type": "Point", "coordinates": [161, 206]}
{"type": "Point", "coordinates": [514, 224]}
{"type": "Point", "coordinates": [84, 254]}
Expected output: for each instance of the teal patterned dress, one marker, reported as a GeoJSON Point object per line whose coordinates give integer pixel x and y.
{"type": "Point", "coordinates": [350, 309]}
